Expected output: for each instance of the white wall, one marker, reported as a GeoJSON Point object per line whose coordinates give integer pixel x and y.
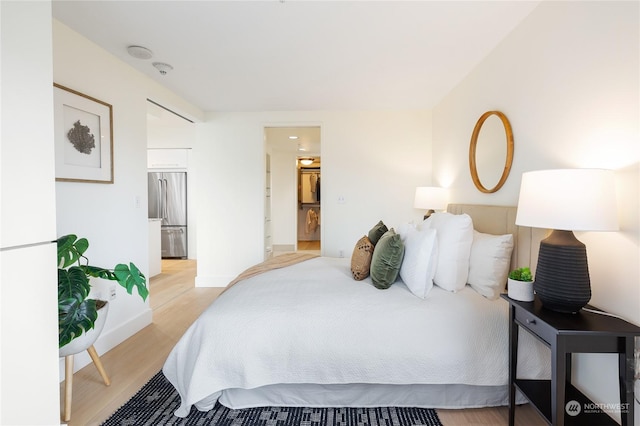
{"type": "Point", "coordinates": [372, 159]}
{"type": "Point", "coordinates": [567, 79]}
{"type": "Point", "coordinates": [284, 198]}
{"type": "Point", "coordinates": [170, 135]}
{"type": "Point", "coordinates": [113, 217]}
{"type": "Point", "coordinates": [28, 360]}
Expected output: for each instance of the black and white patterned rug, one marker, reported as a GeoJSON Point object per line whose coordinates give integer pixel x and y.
{"type": "Point", "coordinates": [155, 403]}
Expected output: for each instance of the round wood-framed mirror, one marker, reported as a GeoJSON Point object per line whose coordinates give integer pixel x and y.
{"type": "Point", "coordinates": [488, 143]}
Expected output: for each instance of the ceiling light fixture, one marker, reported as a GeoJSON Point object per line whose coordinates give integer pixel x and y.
{"type": "Point", "coordinates": [307, 161]}
{"type": "Point", "coordinates": [140, 52]}
{"type": "Point", "coordinates": [293, 137]}
{"type": "Point", "coordinates": [162, 67]}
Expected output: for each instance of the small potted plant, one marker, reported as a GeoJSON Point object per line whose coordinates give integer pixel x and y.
{"type": "Point", "coordinates": [77, 313]}
{"type": "Point", "coordinates": [520, 284]}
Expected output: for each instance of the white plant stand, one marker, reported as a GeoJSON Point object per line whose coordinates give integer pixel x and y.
{"type": "Point", "coordinates": [82, 343]}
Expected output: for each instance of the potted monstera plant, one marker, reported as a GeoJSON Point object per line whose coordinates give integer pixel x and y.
{"type": "Point", "coordinates": [77, 313]}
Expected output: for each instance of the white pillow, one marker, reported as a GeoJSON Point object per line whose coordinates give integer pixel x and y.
{"type": "Point", "coordinates": [404, 229]}
{"type": "Point", "coordinates": [489, 263]}
{"type": "Point", "coordinates": [420, 256]}
{"type": "Point", "coordinates": [454, 235]}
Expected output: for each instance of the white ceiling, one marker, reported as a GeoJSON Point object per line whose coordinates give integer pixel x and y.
{"type": "Point", "coordinates": [307, 143]}
{"type": "Point", "coordinates": [301, 55]}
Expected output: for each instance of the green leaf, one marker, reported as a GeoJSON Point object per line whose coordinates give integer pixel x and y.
{"type": "Point", "coordinates": [73, 284]}
{"type": "Point", "coordinates": [94, 271]}
{"type": "Point", "coordinates": [70, 249]}
{"type": "Point", "coordinates": [129, 277]}
{"type": "Point", "coordinates": [74, 318]}
{"type": "Point", "coordinates": [521, 274]}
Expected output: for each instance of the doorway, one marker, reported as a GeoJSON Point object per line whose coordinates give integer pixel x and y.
{"type": "Point", "coordinates": [309, 199]}
{"type": "Point", "coordinates": [287, 148]}
{"type": "Point", "coordinates": [170, 139]}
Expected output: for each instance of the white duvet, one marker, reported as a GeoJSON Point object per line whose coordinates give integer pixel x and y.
{"type": "Point", "coordinates": [313, 323]}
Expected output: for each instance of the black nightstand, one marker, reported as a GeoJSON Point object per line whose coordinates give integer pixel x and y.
{"type": "Point", "coordinates": [557, 400]}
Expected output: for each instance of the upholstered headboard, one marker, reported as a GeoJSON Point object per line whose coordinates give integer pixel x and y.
{"type": "Point", "coordinates": [502, 220]}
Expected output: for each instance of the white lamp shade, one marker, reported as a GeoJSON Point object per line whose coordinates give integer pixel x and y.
{"type": "Point", "coordinates": [430, 197]}
{"type": "Point", "coordinates": [568, 200]}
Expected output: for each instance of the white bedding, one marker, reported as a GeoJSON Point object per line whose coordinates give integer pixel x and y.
{"type": "Point", "coordinates": [313, 323]}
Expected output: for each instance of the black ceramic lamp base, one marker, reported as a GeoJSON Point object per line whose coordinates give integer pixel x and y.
{"type": "Point", "coordinates": [562, 275]}
{"type": "Point", "coordinates": [428, 214]}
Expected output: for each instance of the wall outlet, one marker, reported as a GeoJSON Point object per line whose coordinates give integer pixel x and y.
{"type": "Point", "coordinates": [340, 252]}
{"type": "Point", "coordinates": [112, 291]}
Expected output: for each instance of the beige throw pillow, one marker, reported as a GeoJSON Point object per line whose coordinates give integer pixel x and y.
{"type": "Point", "coordinates": [361, 258]}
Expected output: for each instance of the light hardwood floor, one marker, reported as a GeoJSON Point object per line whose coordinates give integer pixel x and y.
{"type": "Point", "coordinates": [309, 245]}
{"type": "Point", "coordinates": [176, 303]}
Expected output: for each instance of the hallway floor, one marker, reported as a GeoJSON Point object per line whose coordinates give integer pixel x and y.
{"type": "Point", "coordinates": [308, 245]}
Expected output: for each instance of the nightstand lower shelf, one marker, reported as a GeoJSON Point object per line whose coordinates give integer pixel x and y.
{"type": "Point", "coordinates": [538, 392]}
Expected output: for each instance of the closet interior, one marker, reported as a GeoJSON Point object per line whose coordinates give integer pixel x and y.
{"type": "Point", "coordinates": [309, 184]}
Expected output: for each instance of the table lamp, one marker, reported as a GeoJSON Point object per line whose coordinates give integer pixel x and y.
{"type": "Point", "coordinates": [566, 200]}
{"type": "Point", "coordinates": [430, 198]}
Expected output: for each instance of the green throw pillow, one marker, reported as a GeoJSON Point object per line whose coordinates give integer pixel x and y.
{"type": "Point", "coordinates": [377, 232]}
{"type": "Point", "coordinates": [386, 260]}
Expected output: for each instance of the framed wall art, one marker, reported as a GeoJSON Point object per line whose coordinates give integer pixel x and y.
{"type": "Point", "coordinates": [83, 128]}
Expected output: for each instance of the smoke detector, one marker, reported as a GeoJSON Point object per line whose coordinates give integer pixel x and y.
{"type": "Point", "coordinates": [139, 52]}
{"type": "Point", "coordinates": [162, 67]}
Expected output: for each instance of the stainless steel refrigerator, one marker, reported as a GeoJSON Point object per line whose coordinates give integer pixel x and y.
{"type": "Point", "coordinates": [168, 201]}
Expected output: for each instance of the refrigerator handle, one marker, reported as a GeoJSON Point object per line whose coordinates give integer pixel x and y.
{"type": "Point", "coordinates": [164, 210]}
{"type": "Point", "coordinates": [159, 202]}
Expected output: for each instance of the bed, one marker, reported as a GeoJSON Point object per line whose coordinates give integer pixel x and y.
{"type": "Point", "coordinates": [309, 334]}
